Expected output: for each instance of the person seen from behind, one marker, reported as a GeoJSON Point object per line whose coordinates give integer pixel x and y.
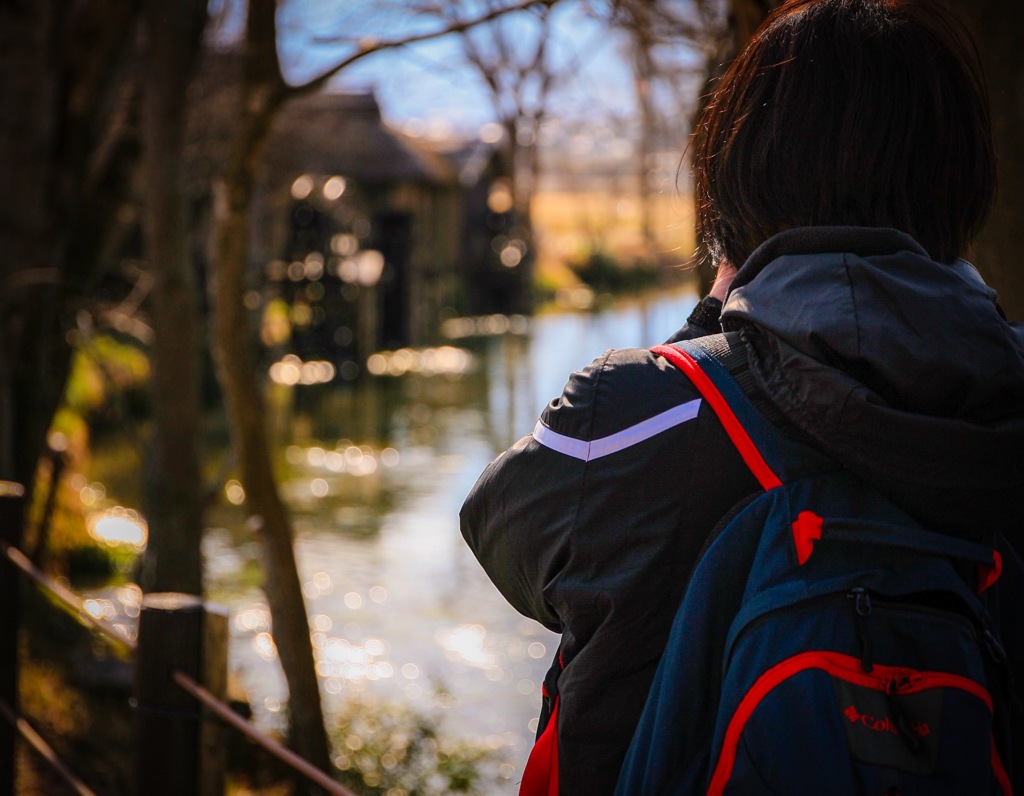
{"type": "Point", "coordinates": [841, 168]}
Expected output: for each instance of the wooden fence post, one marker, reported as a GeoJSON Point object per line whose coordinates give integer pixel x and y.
{"type": "Point", "coordinates": [212, 750]}
{"type": "Point", "coordinates": [166, 718]}
{"type": "Point", "coordinates": [12, 516]}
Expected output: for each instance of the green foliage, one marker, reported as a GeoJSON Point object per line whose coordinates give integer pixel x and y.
{"type": "Point", "coordinates": [76, 688]}
{"type": "Point", "coordinates": [604, 273]}
{"type": "Point", "coordinates": [389, 749]}
{"type": "Point", "coordinates": [550, 278]}
{"type": "Point", "coordinates": [108, 380]}
{"type": "Point", "coordinates": [93, 563]}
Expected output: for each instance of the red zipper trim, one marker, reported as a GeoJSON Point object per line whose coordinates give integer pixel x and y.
{"type": "Point", "coordinates": [1000, 772]}
{"type": "Point", "coordinates": [847, 668]}
{"type": "Point", "coordinates": [540, 777]}
{"type": "Point", "coordinates": [744, 444]}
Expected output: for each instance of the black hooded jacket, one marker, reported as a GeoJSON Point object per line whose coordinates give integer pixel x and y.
{"type": "Point", "coordinates": [901, 368]}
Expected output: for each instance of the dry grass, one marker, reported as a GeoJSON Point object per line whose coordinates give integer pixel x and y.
{"type": "Point", "coordinates": [573, 225]}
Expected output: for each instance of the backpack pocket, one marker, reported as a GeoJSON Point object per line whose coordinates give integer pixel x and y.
{"type": "Point", "coordinates": [849, 696]}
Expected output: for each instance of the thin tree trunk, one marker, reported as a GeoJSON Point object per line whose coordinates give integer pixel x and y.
{"type": "Point", "coordinates": [643, 78]}
{"type": "Point", "coordinates": [34, 352]}
{"type": "Point", "coordinates": [263, 93]}
{"type": "Point", "coordinates": [520, 189]}
{"type": "Point", "coordinates": [233, 344]}
{"type": "Point", "coordinates": [997, 26]}
{"type": "Point", "coordinates": [174, 489]}
{"type": "Point", "coordinates": [247, 418]}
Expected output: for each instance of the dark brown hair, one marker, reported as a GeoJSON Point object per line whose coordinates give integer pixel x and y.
{"type": "Point", "coordinates": [847, 112]}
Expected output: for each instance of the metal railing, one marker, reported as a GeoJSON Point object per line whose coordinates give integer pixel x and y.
{"type": "Point", "coordinates": [44, 750]}
{"type": "Point", "coordinates": [185, 681]}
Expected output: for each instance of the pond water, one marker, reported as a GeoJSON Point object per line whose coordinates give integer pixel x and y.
{"type": "Point", "coordinates": [375, 476]}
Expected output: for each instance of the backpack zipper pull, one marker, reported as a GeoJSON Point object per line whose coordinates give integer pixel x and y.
{"type": "Point", "coordinates": [903, 726]}
{"type": "Point", "coordinates": [861, 611]}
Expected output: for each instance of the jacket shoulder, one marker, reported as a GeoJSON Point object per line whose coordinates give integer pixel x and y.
{"type": "Point", "coordinates": [617, 391]}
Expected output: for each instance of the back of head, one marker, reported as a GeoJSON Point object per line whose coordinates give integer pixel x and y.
{"type": "Point", "coordinates": [848, 112]}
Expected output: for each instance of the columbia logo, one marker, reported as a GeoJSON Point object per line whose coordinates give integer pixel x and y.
{"type": "Point", "coordinates": [884, 724]}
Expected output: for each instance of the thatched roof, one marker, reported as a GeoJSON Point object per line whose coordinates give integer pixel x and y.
{"type": "Point", "coordinates": [323, 133]}
{"type": "Point", "coordinates": [330, 133]}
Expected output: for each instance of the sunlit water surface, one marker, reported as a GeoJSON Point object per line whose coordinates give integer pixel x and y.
{"type": "Point", "coordinates": [400, 611]}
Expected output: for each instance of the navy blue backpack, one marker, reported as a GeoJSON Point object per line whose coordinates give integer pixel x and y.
{"type": "Point", "coordinates": [826, 643]}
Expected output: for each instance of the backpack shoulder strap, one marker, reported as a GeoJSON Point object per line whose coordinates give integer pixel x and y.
{"type": "Point", "coordinates": [773, 457]}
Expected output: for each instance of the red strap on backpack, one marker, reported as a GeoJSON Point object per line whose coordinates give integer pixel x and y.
{"type": "Point", "coordinates": [807, 528]}
{"type": "Point", "coordinates": [764, 474]}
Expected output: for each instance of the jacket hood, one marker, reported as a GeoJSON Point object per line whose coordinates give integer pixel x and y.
{"type": "Point", "coordinates": [902, 368]}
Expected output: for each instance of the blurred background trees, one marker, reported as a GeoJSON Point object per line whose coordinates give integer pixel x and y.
{"type": "Point", "coordinates": [149, 205]}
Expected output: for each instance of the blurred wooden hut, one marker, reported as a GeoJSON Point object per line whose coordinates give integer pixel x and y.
{"type": "Point", "coordinates": [338, 185]}
{"type": "Point", "coordinates": [338, 182]}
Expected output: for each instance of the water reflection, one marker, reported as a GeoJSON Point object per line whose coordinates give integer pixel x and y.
{"type": "Point", "coordinates": [399, 609]}
{"type": "Point", "coordinates": [446, 360]}
{"type": "Point", "coordinates": [376, 477]}
{"type": "Point", "coordinates": [118, 526]}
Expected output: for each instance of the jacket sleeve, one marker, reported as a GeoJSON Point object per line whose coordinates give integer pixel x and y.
{"type": "Point", "coordinates": [591, 525]}
{"type": "Point", "coordinates": [518, 518]}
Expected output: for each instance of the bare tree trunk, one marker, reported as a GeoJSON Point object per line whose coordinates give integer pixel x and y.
{"type": "Point", "coordinates": [521, 179]}
{"type": "Point", "coordinates": [263, 93]}
{"type": "Point", "coordinates": [745, 16]}
{"type": "Point", "coordinates": [174, 490]}
{"type": "Point", "coordinates": [59, 199]}
{"type": "Point", "coordinates": [998, 250]}
{"type": "Point", "coordinates": [64, 165]}
{"type": "Point", "coordinates": [237, 371]}
{"type": "Point", "coordinates": [233, 344]}
{"type": "Point", "coordinates": [509, 75]}
{"type": "Point", "coordinates": [643, 77]}
{"type": "Point", "coordinates": [34, 353]}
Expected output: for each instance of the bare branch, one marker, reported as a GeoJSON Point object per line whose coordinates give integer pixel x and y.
{"type": "Point", "coordinates": [537, 62]}
{"type": "Point", "coordinates": [370, 46]}
{"type": "Point", "coordinates": [487, 71]}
